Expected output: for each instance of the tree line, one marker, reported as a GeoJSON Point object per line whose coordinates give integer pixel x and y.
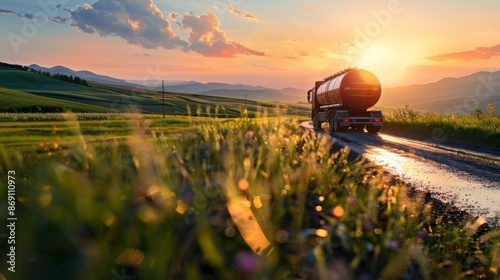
{"type": "Point", "coordinates": [66, 78]}
{"type": "Point", "coordinates": [62, 77]}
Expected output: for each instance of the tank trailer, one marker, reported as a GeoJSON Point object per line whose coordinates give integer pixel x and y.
{"type": "Point", "coordinates": [343, 99]}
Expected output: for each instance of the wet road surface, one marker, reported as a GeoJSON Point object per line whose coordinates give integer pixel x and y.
{"type": "Point", "coordinates": [470, 179]}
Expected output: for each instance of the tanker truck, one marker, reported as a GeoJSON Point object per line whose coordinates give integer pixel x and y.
{"type": "Point", "coordinates": [343, 99]}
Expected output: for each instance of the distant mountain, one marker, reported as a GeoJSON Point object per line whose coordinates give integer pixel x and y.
{"type": "Point", "coordinates": [196, 87]}
{"type": "Point", "coordinates": [461, 95]}
{"type": "Point", "coordinates": [156, 84]}
{"type": "Point", "coordinates": [290, 95]}
{"type": "Point", "coordinates": [87, 75]}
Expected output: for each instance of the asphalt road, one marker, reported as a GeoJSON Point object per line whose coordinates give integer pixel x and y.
{"type": "Point", "coordinates": [467, 176]}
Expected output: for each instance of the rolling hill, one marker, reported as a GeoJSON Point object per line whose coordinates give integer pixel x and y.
{"type": "Point", "coordinates": [289, 95]}
{"type": "Point", "coordinates": [27, 91]}
{"type": "Point", "coordinates": [82, 74]}
{"type": "Point", "coordinates": [461, 95]}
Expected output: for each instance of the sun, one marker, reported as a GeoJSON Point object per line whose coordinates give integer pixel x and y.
{"type": "Point", "coordinates": [384, 62]}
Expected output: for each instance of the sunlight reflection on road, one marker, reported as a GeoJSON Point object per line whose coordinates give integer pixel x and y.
{"type": "Point", "coordinates": [418, 163]}
{"type": "Point", "coordinates": [466, 191]}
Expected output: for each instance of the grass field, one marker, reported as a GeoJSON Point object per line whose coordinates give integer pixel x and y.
{"type": "Point", "coordinates": [481, 129]}
{"type": "Point", "coordinates": [237, 195]}
{"type": "Point", "coordinates": [24, 91]}
{"type": "Point", "coordinates": [220, 199]}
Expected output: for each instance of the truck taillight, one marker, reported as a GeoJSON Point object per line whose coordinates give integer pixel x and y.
{"type": "Point", "coordinates": [377, 120]}
{"type": "Point", "coordinates": [346, 120]}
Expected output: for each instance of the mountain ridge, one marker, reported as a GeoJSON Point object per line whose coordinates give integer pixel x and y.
{"type": "Point", "coordinates": [442, 96]}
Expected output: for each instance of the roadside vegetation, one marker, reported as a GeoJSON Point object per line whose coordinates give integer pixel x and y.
{"type": "Point", "coordinates": [243, 198]}
{"type": "Point", "coordinates": [481, 127]}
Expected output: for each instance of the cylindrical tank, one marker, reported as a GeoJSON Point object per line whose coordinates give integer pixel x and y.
{"type": "Point", "coordinates": [354, 89]}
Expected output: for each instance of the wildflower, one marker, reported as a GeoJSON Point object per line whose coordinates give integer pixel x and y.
{"type": "Point", "coordinates": [243, 184]}
{"type": "Point", "coordinates": [367, 225]}
{"type": "Point", "coordinates": [250, 134]}
{"type": "Point", "coordinates": [352, 201]}
{"type": "Point", "coordinates": [392, 245]}
{"type": "Point", "coordinates": [178, 136]}
{"type": "Point", "coordinates": [246, 262]}
{"type": "Point", "coordinates": [421, 234]}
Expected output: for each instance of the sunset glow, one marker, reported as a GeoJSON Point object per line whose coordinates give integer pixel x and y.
{"type": "Point", "coordinates": [276, 44]}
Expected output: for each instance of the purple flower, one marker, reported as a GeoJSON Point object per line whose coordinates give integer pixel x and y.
{"type": "Point", "coordinates": [368, 225]}
{"type": "Point", "coordinates": [247, 262]}
{"type": "Point", "coordinates": [188, 197]}
{"type": "Point", "coordinates": [421, 234]}
{"type": "Point", "coordinates": [352, 201]}
{"type": "Point", "coordinates": [392, 245]}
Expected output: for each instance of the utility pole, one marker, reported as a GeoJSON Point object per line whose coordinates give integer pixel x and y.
{"type": "Point", "coordinates": [245, 101]}
{"type": "Point", "coordinates": [163, 93]}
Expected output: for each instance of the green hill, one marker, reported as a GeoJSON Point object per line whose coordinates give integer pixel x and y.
{"type": "Point", "coordinates": [26, 91]}
{"type": "Point", "coordinates": [18, 101]}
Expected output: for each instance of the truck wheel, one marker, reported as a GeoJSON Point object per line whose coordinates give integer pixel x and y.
{"type": "Point", "coordinates": [316, 122]}
{"type": "Point", "coordinates": [373, 129]}
{"type": "Point", "coordinates": [358, 127]}
{"type": "Point", "coordinates": [343, 128]}
{"type": "Point", "coordinates": [336, 126]}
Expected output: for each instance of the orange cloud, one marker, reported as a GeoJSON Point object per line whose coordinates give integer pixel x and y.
{"type": "Point", "coordinates": [173, 16]}
{"type": "Point", "coordinates": [240, 13]}
{"type": "Point", "coordinates": [293, 57]}
{"type": "Point", "coordinates": [142, 23]}
{"type": "Point", "coordinates": [206, 38]}
{"type": "Point", "coordinates": [139, 22]}
{"type": "Point", "coordinates": [478, 53]}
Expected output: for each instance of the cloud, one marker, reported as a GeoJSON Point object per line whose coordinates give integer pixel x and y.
{"type": "Point", "coordinates": [206, 38]}
{"type": "Point", "coordinates": [308, 9]}
{"type": "Point", "coordinates": [141, 23]}
{"type": "Point", "coordinates": [336, 56]}
{"type": "Point", "coordinates": [173, 16]}
{"type": "Point", "coordinates": [290, 41]}
{"type": "Point", "coordinates": [6, 12]}
{"type": "Point", "coordinates": [59, 19]}
{"type": "Point", "coordinates": [30, 16]}
{"type": "Point", "coordinates": [269, 67]}
{"type": "Point", "coordinates": [303, 53]}
{"type": "Point", "coordinates": [138, 22]}
{"type": "Point", "coordinates": [240, 13]}
{"type": "Point", "coordinates": [478, 53]}
{"type": "Point", "coordinates": [25, 15]}
{"type": "Point", "coordinates": [293, 57]}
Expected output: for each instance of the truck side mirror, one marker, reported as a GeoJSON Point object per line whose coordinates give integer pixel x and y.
{"type": "Point", "coordinates": [309, 96]}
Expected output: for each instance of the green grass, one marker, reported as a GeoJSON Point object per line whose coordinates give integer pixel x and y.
{"type": "Point", "coordinates": [483, 129]}
{"type": "Point", "coordinates": [32, 132]}
{"type": "Point", "coordinates": [111, 98]}
{"type": "Point", "coordinates": [211, 202]}
{"type": "Point", "coordinates": [18, 101]}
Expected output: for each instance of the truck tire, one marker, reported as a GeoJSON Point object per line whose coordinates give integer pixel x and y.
{"type": "Point", "coordinates": [316, 122]}
{"type": "Point", "coordinates": [335, 126]}
{"type": "Point", "coordinates": [372, 129]}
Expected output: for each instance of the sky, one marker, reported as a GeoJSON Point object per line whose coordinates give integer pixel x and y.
{"type": "Point", "coordinates": [275, 44]}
